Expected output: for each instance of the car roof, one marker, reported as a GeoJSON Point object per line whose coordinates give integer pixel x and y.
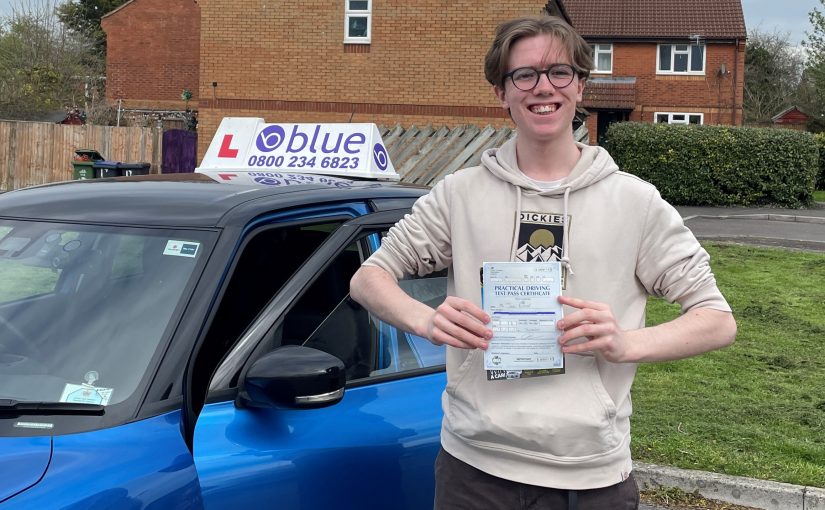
{"type": "Point", "coordinates": [181, 200]}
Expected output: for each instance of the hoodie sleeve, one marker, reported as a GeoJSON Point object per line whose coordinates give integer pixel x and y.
{"type": "Point", "coordinates": [419, 243]}
{"type": "Point", "coordinates": [671, 262]}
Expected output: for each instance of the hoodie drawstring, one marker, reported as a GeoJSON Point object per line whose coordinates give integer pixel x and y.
{"type": "Point", "coordinates": [514, 242]}
{"type": "Point", "coordinates": [565, 260]}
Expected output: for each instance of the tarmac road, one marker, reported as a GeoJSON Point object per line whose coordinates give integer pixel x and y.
{"type": "Point", "coordinates": [802, 229]}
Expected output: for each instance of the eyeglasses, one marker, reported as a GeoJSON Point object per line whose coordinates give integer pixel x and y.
{"type": "Point", "coordinates": [526, 78]}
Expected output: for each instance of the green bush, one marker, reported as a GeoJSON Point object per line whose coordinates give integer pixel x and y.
{"type": "Point", "coordinates": [719, 165]}
{"type": "Point", "coordinates": [820, 142]}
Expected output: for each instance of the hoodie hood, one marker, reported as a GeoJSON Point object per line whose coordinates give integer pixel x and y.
{"type": "Point", "coordinates": [594, 165]}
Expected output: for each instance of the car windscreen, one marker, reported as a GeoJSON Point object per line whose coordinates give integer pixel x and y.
{"type": "Point", "coordinates": [84, 309]}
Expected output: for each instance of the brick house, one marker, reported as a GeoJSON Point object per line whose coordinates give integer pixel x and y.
{"type": "Point", "coordinates": [419, 63]}
{"type": "Point", "coordinates": [152, 54]}
{"type": "Point", "coordinates": [665, 61]}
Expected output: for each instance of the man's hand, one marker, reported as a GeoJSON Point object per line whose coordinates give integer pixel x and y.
{"type": "Point", "coordinates": [595, 322]}
{"type": "Point", "coordinates": [459, 323]}
{"type": "Point", "coordinates": [694, 332]}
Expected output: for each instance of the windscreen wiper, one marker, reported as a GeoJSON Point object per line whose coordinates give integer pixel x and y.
{"type": "Point", "coordinates": [11, 407]}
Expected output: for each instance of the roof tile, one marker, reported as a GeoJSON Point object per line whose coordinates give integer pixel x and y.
{"type": "Point", "coordinates": [657, 19]}
{"type": "Point", "coordinates": [610, 93]}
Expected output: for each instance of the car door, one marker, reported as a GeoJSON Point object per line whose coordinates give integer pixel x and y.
{"type": "Point", "coordinates": [373, 449]}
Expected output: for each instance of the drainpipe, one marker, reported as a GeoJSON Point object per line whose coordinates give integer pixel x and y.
{"type": "Point", "coordinates": [735, 74]}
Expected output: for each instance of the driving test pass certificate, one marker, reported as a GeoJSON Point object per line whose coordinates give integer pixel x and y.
{"type": "Point", "coordinates": [522, 301]}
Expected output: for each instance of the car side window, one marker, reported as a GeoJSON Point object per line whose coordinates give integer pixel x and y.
{"type": "Point", "coordinates": [407, 351]}
{"type": "Point", "coordinates": [327, 319]}
{"type": "Point", "coordinates": [267, 261]}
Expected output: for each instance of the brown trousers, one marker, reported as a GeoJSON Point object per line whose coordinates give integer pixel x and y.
{"type": "Point", "coordinates": [459, 486]}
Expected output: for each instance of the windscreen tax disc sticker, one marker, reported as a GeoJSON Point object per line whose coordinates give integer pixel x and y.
{"type": "Point", "coordinates": [85, 394]}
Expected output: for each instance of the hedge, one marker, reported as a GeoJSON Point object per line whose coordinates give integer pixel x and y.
{"type": "Point", "coordinates": [719, 165]}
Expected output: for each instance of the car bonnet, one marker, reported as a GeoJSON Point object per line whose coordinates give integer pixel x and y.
{"type": "Point", "coordinates": [23, 462]}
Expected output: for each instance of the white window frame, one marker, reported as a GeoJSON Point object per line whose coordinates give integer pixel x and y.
{"type": "Point", "coordinates": [674, 52]}
{"type": "Point", "coordinates": [348, 13]}
{"type": "Point", "coordinates": [597, 49]}
{"type": "Point", "coordinates": [672, 120]}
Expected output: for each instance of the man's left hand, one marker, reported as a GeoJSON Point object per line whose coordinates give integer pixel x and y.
{"type": "Point", "coordinates": [595, 322]}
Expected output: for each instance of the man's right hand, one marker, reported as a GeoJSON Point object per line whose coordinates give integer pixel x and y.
{"type": "Point", "coordinates": [459, 323]}
{"type": "Point", "coordinates": [456, 322]}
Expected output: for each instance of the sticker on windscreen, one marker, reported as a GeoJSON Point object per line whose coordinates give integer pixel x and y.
{"type": "Point", "coordinates": [181, 248]}
{"type": "Point", "coordinates": [86, 393]}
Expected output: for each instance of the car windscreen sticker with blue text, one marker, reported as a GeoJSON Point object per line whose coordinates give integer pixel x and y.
{"type": "Point", "coordinates": [250, 151]}
{"type": "Point", "coordinates": [87, 392]}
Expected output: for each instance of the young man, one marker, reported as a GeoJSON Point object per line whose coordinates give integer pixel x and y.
{"type": "Point", "coordinates": [556, 441]}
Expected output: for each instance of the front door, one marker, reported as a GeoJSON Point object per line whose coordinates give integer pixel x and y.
{"type": "Point", "coordinates": [605, 119]}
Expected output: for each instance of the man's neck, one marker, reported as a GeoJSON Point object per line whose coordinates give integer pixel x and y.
{"type": "Point", "coordinates": [547, 162]}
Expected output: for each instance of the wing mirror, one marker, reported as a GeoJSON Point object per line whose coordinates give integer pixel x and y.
{"type": "Point", "coordinates": [293, 376]}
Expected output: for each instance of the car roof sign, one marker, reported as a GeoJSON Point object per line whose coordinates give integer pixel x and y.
{"type": "Point", "coordinates": [244, 146]}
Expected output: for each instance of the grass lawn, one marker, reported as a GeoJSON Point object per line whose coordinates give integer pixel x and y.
{"type": "Point", "coordinates": [757, 408]}
{"type": "Point", "coordinates": [819, 195]}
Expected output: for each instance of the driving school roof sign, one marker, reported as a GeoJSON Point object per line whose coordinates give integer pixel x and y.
{"type": "Point", "coordinates": [251, 145]}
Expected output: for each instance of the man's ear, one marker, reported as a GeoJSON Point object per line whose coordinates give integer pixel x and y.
{"type": "Point", "coordinates": [499, 92]}
{"type": "Point", "coordinates": [579, 94]}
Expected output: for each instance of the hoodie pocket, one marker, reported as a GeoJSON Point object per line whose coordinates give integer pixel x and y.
{"type": "Point", "coordinates": [564, 416]}
{"type": "Point", "coordinates": [454, 380]}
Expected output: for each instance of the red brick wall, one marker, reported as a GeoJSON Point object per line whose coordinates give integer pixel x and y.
{"type": "Point", "coordinates": [425, 56]}
{"type": "Point", "coordinates": [717, 96]}
{"type": "Point", "coordinates": [153, 53]}
{"type": "Point", "coordinates": [714, 95]}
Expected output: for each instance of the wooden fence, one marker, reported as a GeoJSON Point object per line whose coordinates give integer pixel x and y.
{"type": "Point", "coordinates": [40, 152]}
{"type": "Point", "coordinates": [426, 155]}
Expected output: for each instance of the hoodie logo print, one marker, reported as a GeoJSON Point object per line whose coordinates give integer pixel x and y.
{"type": "Point", "coordinates": [540, 237]}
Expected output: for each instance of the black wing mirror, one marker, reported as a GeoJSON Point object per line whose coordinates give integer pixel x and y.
{"type": "Point", "coordinates": [294, 376]}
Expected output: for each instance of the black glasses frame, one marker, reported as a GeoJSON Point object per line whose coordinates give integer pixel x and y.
{"type": "Point", "coordinates": [539, 72]}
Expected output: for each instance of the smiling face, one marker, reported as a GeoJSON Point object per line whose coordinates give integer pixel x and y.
{"type": "Point", "coordinates": [545, 113]}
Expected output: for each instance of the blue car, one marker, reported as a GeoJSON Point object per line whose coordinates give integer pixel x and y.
{"type": "Point", "coordinates": [179, 342]}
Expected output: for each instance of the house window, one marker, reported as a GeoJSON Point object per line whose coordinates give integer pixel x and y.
{"type": "Point", "coordinates": [678, 118]}
{"type": "Point", "coordinates": [357, 21]}
{"type": "Point", "coordinates": [681, 59]}
{"type": "Point", "coordinates": [602, 58]}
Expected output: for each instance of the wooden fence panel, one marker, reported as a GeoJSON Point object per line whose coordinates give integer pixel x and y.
{"type": "Point", "coordinates": [38, 152]}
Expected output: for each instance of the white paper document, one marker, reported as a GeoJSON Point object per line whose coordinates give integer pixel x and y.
{"type": "Point", "coordinates": [522, 301]}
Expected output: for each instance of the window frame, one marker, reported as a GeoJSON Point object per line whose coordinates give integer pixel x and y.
{"type": "Point", "coordinates": [686, 122]}
{"type": "Point", "coordinates": [408, 354]}
{"type": "Point", "coordinates": [349, 13]}
{"type": "Point", "coordinates": [258, 338]}
{"type": "Point", "coordinates": [594, 47]}
{"type": "Point", "coordinates": [674, 52]}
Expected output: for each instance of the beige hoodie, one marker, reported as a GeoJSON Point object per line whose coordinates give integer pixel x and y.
{"type": "Point", "coordinates": [620, 243]}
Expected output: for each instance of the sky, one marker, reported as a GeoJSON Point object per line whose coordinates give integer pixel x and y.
{"type": "Point", "coordinates": [785, 16]}
{"type": "Point", "coordinates": [789, 16]}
